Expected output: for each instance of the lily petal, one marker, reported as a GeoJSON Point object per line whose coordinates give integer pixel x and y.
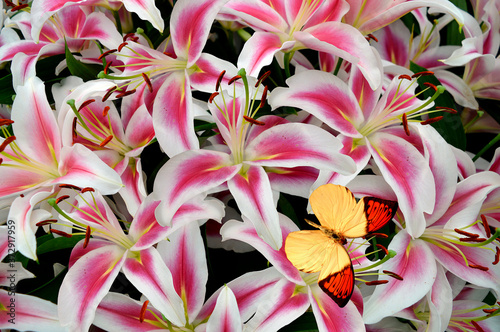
{"type": "Point", "coordinates": [226, 316]}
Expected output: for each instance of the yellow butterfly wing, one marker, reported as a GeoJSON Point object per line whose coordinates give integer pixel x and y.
{"type": "Point", "coordinates": [307, 250]}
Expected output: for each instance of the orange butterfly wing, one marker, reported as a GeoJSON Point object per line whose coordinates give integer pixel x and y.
{"type": "Point", "coordinates": [314, 251]}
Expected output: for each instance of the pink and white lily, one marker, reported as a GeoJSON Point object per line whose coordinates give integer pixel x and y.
{"type": "Point", "coordinates": [368, 123]}
{"type": "Point", "coordinates": [35, 162]}
{"type": "Point", "coordinates": [289, 26]}
{"type": "Point", "coordinates": [241, 163]}
{"type": "Point", "coordinates": [96, 262]}
{"type": "Point", "coordinates": [77, 27]}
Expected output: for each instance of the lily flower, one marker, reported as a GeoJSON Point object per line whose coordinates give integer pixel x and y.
{"type": "Point", "coordinates": [97, 261]}
{"type": "Point", "coordinates": [240, 164]}
{"type": "Point", "coordinates": [369, 126]}
{"type": "Point", "coordinates": [171, 71]}
{"type": "Point", "coordinates": [73, 26]}
{"type": "Point", "coordinates": [34, 162]}
{"type": "Point", "coordinates": [290, 26]}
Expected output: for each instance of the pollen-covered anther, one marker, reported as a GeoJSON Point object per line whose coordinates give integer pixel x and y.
{"type": "Point", "coordinates": [371, 37]}
{"type": "Point", "coordinates": [379, 235]}
{"type": "Point", "coordinates": [85, 104]}
{"type": "Point", "coordinates": [468, 234]}
{"type": "Point", "coordinates": [106, 68]}
{"type": "Point", "coordinates": [472, 239]}
{"type": "Point", "coordinates": [233, 79]}
{"type": "Point", "coordinates": [87, 237]}
{"type": "Point", "coordinates": [381, 247]}
{"type": "Point", "coordinates": [262, 78]}
{"type": "Point", "coordinates": [142, 314]}
{"type": "Point", "coordinates": [105, 111]}
{"type": "Point", "coordinates": [447, 109]}
{"type": "Point", "coordinates": [405, 77]}
{"type": "Point", "coordinates": [479, 267]}
{"type": "Point", "coordinates": [19, 7]}
{"type": "Point", "coordinates": [376, 282]}
{"type": "Point", "coordinates": [1, 161]}
{"type": "Point", "coordinates": [392, 274]}
{"type": "Point", "coordinates": [497, 256]}
{"type": "Point", "coordinates": [46, 222]}
{"type": "Point", "coordinates": [74, 132]}
{"type": "Point", "coordinates": [108, 93]}
{"type": "Point", "coordinates": [106, 141]}
{"type": "Point", "coordinates": [219, 80]}
{"type": "Point", "coordinates": [489, 311]}
{"type": "Point", "coordinates": [61, 198]}
{"type": "Point", "coordinates": [423, 73]}
{"type": "Point", "coordinates": [476, 325]}
{"type": "Point", "coordinates": [129, 36]}
{"type": "Point", "coordinates": [106, 53]}
{"type": "Point", "coordinates": [6, 142]}
{"type": "Point", "coordinates": [212, 96]}
{"type": "Point", "coordinates": [431, 120]}
{"type": "Point", "coordinates": [69, 186]}
{"type": "Point", "coordinates": [125, 93]}
{"type": "Point", "coordinates": [264, 97]}
{"type": "Point", "coordinates": [5, 122]}
{"type": "Point", "coordinates": [122, 45]}
{"type": "Point", "coordinates": [430, 85]}
{"type": "Point", "coordinates": [58, 232]}
{"type": "Point", "coordinates": [404, 120]}
{"type": "Point", "coordinates": [10, 3]}
{"type": "Point", "coordinates": [86, 189]}
{"type": "Point", "coordinates": [148, 82]}
{"type": "Point", "coordinates": [486, 225]}
{"type": "Point", "coordinates": [253, 121]}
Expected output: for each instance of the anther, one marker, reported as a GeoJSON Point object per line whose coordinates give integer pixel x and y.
{"type": "Point", "coordinates": [447, 109]}
{"type": "Point", "coordinates": [476, 325]}
{"type": "Point", "coordinates": [69, 186]}
{"type": "Point", "coordinates": [404, 76]}
{"type": "Point", "coordinates": [384, 249]}
{"type": "Point", "coordinates": [122, 45]}
{"type": "Point", "coordinates": [74, 133]}
{"type": "Point", "coordinates": [106, 68]}
{"type": "Point", "coordinates": [497, 256]}
{"type": "Point", "coordinates": [105, 111]}
{"type": "Point", "coordinates": [479, 267]}
{"type": "Point", "coordinates": [84, 190]}
{"type": "Point", "coordinates": [106, 53]}
{"type": "Point", "coordinates": [234, 79]}
{"type": "Point", "coordinates": [432, 120]}
{"type": "Point", "coordinates": [144, 307]}
{"type": "Point", "coordinates": [212, 96]}
{"type": "Point", "coordinates": [430, 85]}
{"type": "Point", "coordinates": [489, 311]}
{"type": "Point", "coordinates": [87, 238]}
{"type": "Point", "coordinates": [85, 104]}
{"type": "Point", "coordinates": [128, 35]}
{"type": "Point", "coordinates": [45, 222]}
{"type": "Point", "coordinates": [379, 235]}
{"type": "Point", "coordinates": [106, 141]}
{"type": "Point", "coordinates": [472, 239]}
{"type": "Point", "coordinates": [1, 161]}
{"type": "Point", "coordinates": [376, 282]}
{"type": "Point", "coordinates": [423, 73]}
{"type": "Point", "coordinates": [148, 82]}
{"type": "Point", "coordinates": [6, 142]}
{"type": "Point", "coordinates": [392, 274]}
{"type": "Point", "coordinates": [370, 36]}
{"type": "Point", "coordinates": [5, 122]}
{"type": "Point", "coordinates": [219, 80]}
{"type": "Point", "coordinates": [486, 225]}
{"type": "Point", "coordinates": [108, 93]}
{"type": "Point", "coordinates": [55, 231]}
{"type": "Point", "coordinates": [125, 93]}
{"type": "Point", "coordinates": [404, 120]}
{"type": "Point", "coordinates": [264, 97]}
{"type": "Point", "coordinates": [16, 8]}
{"type": "Point", "coordinates": [61, 198]}
{"type": "Point", "coordinates": [253, 121]}
{"type": "Point", "coordinates": [9, 3]}
{"type": "Point", "coordinates": [459, 231]}
{"type": "Point", "coordinates": [262, 78]}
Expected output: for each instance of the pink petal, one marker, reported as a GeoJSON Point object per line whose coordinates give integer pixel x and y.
{"type": "Point", "coordinates": [323, 95]}
{"type": "Point", "coordinates": [226, 316]}
{"type": "Point", "coordinates": [96, 271]}
{"type": "Point", "coordinates": [147, 11]}
{"type": "Point", "coordinates": [149, 274]}
{"type": "Point", "coordinates": [414, 262]}
{"type": "Point", "coordinates": [209, 69]}
{"type": "Point", "coordinates": [134, 190]}
{"type": "Point", "coordinates": [254, 197]}
{"type": "Point", "coordinates": [187, 175]}
{"type": "Point", "coordinates": [258, 14]}
{"type": "Point", "coordinates": [294, 181]}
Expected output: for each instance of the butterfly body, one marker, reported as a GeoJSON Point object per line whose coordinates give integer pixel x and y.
{"type": "Point", "coordinates": [323, 250]}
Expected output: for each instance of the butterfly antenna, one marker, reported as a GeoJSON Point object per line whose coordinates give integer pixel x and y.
{"type": "Point", "coordinates": [313, 224]}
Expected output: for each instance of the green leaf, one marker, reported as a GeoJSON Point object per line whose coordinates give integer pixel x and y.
{"type": "Point", "coordinates": [6, 90]}
{"type": "Point", "coordinates": [287, 209]}
{"type": "Point", "coordinates": [84, 71]}
{"type": "Point", "coordinates": [453, 34]}
{"type": "Point", "coordinates": [58, 243]}
{"type": "Point", "coordinates": [450, 127]}
{"type": "Point", "coordinates": [304, 323]}
{"type": "Point", "coordinates": [50, 290]}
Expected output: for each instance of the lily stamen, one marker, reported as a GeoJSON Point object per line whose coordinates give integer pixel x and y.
{"type": "Point", "coordinates": [422, 73]}
{"type": "Point", "coordinates": [6, 142]}
{"type": "Point", "coordinates": [87, 237]}
{"type": "Point", "coordinates": [459, 231]}
{"type": "Point", "coordinates": [219, 80]}
{"type": "Point", "coordinates": [106, 68]}
{"type": "Point", "coordinates": [404, 120]}
{"type": "Point", "coordinates": [262, 78]}
{"type": "Point", "coordinates": [69, 186]}
{"type": "Point", "coordinates": [122, 45]}
{"type": "Point", "coordinates": [5, 122]}
{"type": "Point", "coordinates": [106, 53]}
{"type": "Point", "coordinates": [143, 311]}
{"type": "Point", "coordinates": [479, 267]}
{"type": "Point", "coordinates": [108, 93]}
{"type": "Point", "coordinates": [106, 141]}
{"type": "Point", "coordinates": [384, 249]}
{"type": "Point", "coordinates": [46, 222]}
{"type": "Point", "coordinates": [87, 189]}
{"type": "Point", "coordinates": [148, 82]}
{"type": "Point", "coordinates": [105, 111]}
{"type": "Point", "coordinates": [486, 225]}
{"type": "Point", "coordinates": [58, 232]}
{"type": "Point", "coordinates": [430, 85]}
{"type": "Point", "coordinates": [61, 198]}
{"type": "Point", "coordinates": [376, 282]}
{"type": "Point", "coordinates": [233, 79]}
{"type": "Point", "coordinates": [431, 120]}
{"type": "Point", "coordinates": [392, 274]}
{"type": "Point", "coordinates": [404, 76]}
{"type": "Point", "coordinates": [253, 121]}
{"type": "Point", "coordinates": [497, 256]}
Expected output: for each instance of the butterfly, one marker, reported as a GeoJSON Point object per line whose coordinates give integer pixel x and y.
{"type": "Point", "coordinates": [322, 250]}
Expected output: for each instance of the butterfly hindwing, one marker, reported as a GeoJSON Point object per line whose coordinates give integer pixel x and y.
{"type": "Point", "coordinates": [378, 212]}
{"type": "Point", "coordinates": [338, 282]}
